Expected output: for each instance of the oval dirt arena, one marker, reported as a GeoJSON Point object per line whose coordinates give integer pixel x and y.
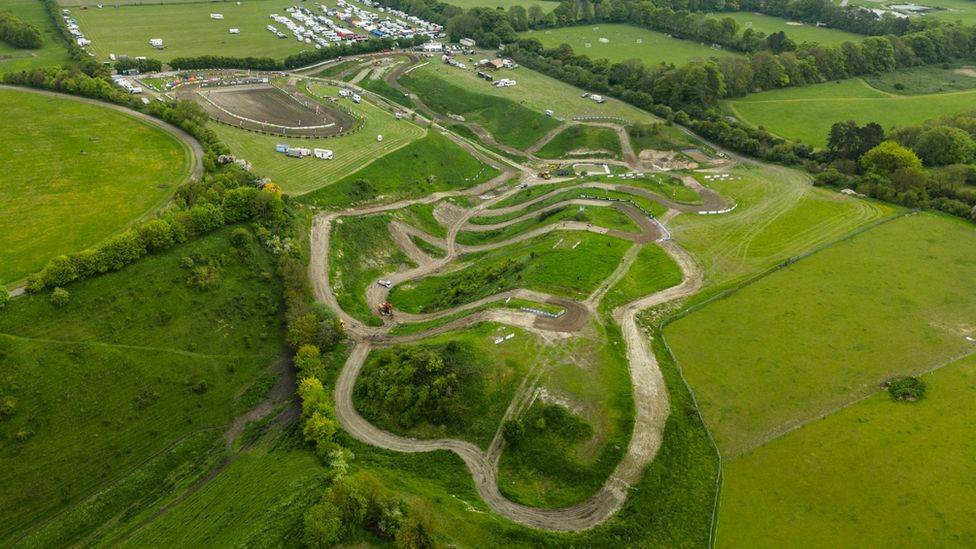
{"type": "Point", "coordinates": [268, 109]}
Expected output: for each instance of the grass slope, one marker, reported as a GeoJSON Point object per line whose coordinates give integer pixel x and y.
{"type": "Point", "coordinates": [798, 33]}
{"type": "Point", "coordinates": [58, 200]}
{"type": "Point", "coordinates": [653, 271]}
{"type": "Point", "coordinates": [829, 329]}
{"type": "Point", "coordinates": [52, 52]}
{"type": "Point", "coordinates": [806, 114]}
{"type": "Point", "coordinates": [545, 266]}
{"type": "Point", "coordinates": [815, 487]}
{"type": "Point", "coordinates": [581, 141]}
{"type": "Point", "coordinates": [134, 362]}
{"type": "Point", "coordinates": [608, 217]}
{"type": "Point", "coordinates": [626, 42]}
{"type": "Point", "coordinates": [432, 164]}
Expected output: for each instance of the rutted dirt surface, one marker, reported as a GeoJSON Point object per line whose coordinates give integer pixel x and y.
{"type": "Point", "coordinates": [650, 393]}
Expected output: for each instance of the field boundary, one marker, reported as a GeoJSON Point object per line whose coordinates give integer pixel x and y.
{"type": "Point", "coordinates": [724, 294]}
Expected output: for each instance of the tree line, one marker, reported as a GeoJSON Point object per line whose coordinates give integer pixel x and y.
{"type": "Point", "coordinates": [19, 33]}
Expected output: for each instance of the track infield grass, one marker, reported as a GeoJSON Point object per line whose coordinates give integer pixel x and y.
{"type": "Point", "coordinates": [69, 181]}
{"type": "Point", "coordinates": [893, 300]}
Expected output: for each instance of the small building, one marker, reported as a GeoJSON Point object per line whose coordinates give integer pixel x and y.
{"type": "Point", "coordinates": [235, 31]}
{"type": "Point", "coordinates": [496, 64]}
{"type": "Point", "coordinates": [281, 148]}
{"type": "Point", "coordinates": [466, 42]}
{"type": "Point", "coordinates": [323, 154]}
{"type": "Point", "coordinates": [156, 43]}
{"type": "Point", "coordinates": [432, 47]}
{"type": "Point", "coordinates": [356, 98]}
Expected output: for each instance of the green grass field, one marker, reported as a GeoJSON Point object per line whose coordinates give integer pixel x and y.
{"type": "Point", "coordinates": [878, 473]}
{"type": "Point", "coordinates": [581, 141]}
{"type": "Point", "coordinates": [626, 42]}
{"type": "Point", "coordinates": [806, 114]}
{"type": "Point", "coordinates": [798, 33]}
{"type": "Point", "coordinates": [186, 30]}
{"type": "Point", "coordinates": [362, 250]}
{"type": "Point", "coordinates": [352, 151]}
{"type": "Point", "coordinates": [52, 52]}
{"type": "Point", "coordinates": [509, 122]}
{"type": "Point", "coordinates": [953, 10]}
{"type": "Point", "coordinates": [925, 80]}
{"type": "Point", "coordinates": [537, 92]}
{"type": "Point", "coordinates": [559, 270]}
{"type": "Point", "coordinates": [830, 328]}
{"type": "Point", "coordinates": [62, 190]}
{"type": "Point", "coordinates": [653, 270]}
{"type": "Point", "coordinates": [778, 215]}
{"type": "Point", "coordinates": [608, 217]}
{"type": "Point", "coordinates": [432, 164]}
{"type": "Point", "coordinates": [136, 361]}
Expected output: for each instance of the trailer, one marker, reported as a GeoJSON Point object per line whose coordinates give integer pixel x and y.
{"type": "Point", "coordinates": [323, 154]}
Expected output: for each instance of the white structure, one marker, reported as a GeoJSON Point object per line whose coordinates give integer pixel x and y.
{"type": "Point", "coordinates": [323, 154]}
{"type": "Point", "coordinates": [216, 16]}
{"type": "Point", "coordinates": [466, 42]}
{"type": "Point", "coordinates": [379, 138]}
{"type": "Point", "coordinates": [235, 31]}
{"type": "Point", "coordinates": [156, 43]}
{"type": "Point", "coordinates": [598, 98]}
{"type": "Point", "coordinates": [356, 98]}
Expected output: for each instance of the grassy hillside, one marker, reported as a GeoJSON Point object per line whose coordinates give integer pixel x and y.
{"type": "Point", "coordinates": [53, 51]}
{"type": "Point", "coordinates": [69, 181]}
{"type": "Point", "coordinates": [135, 362]}
{"type": "Point", "coordinates": [581, 141]}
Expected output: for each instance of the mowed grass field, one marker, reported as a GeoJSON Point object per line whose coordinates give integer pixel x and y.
{"type": "Point", "coordinates": [535, 91]}
{"type": "Point", "coordinates": [581, 141]}
{"type": "Point", "coordinates": [894, 300]}
{"type": "Point", "coordinates": [806, 114]}
{"type": "Point", "coordinates": [879, 473]}
{"type": "Point", "coordinates": [626, 42]}
{"type": "Point", "coordinates": [52, 52]}
{"type": "Point", "coordinates": [798, 33]}
{"type": "Point", "coordinates": [778, 215]}
{"type": "Point", "coordinates": [352, 151]}
{"type": "Point", "coordinates": [953, 10]}
{"type": "Point", "coordinates": [63, 191]}
{"type": "Point", "coordinates": [186, 30]}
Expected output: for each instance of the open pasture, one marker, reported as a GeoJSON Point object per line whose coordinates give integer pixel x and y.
{"type": "Point", "coordinates": [352, 151]}
{"type": "Point", "coordinates": [269, 109]}
{"type": "Point", "coordinates": [582, 141]}
{"type": "Point", "coordinates": [537, 92]}
{"type": "Point", "coordinates": [949, 10]}
{"type": "Point", "coordinates": [69, 181]}
{"type": "Point", "coordinates": [878, 473]}
{"type": "Point", "coordinates": [52, 52]}
{"type": "Point", "coordinates": [186, 29]}
{"type": "Point", "coordinates": [827, 330]}
{"type": "Point", "coordinates": [806, 114]}
{"type": "Point", "coordinates": [619, 42]}
{"type": "Point", "coordinates": [798, 33]}
{"type": "Point", "coordinates": [778, 215]}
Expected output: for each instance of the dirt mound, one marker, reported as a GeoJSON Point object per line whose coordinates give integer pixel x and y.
{"type": "Point", "coordinates": [666, 160]}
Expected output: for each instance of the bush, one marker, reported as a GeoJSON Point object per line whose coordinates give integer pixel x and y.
{"type": "Point", "coordinates": [906, 389]}
{"type": "Point", "coordinates": [241, 238]}
{"type": "Point", "coordinates": [18, 32]}
{"type": "Point", "coordinates": [60, 297]}
{"type": "Point", "coordinates": [8, 407]}
{"type": "Point", "coordinates": [205, 278]}
{"type": "Point", "coordinates": [513, 431]}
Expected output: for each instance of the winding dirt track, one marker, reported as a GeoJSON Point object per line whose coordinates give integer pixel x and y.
{"type": "Point", "coordinates": [649, 390]}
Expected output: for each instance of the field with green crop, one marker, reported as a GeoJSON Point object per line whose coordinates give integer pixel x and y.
{"type": "Point", "coordinates": [778, 215]}
{"type": "Point", "coordinates": [137, 361]}
{"type": "Point", "coordinates": [535, 91]}
{"type": "Point", "coordinates": [186, 29]}
{"type": "Point", "coordinates": [798, 33]}
{"type": "Point", "coordinates": [828, 329]}
{"type": "Point", "coordinates": [806, 114]}
{"type": "Point", "coordinates": [432, 164]}
{"type": "Point", "coordinates": [352, 151]}
{"type": "Point", "coordinates": [581, 141]}
{"type": "Point", "coordinates": [878, 473]}
{"type": "Point", "coordinates": [68, 180]}
{"type": "Point", "coordinates": [557, 269]}
{"type": "Point", "coordinates": [52, 52]}
{"type": "Point", "coordinates": [625, 42]}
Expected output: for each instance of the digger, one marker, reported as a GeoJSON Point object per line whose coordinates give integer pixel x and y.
{"type": "Point", "coordinates": [385, 309]}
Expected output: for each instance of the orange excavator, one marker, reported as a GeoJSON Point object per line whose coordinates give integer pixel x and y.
{"type": "Point", "coordinates": [385, 309]}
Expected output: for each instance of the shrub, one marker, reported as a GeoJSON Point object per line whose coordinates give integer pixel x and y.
{"type": "Point", "coordinates": [513, 431]}
{"type": "Point", "coordinates": [205, 278]}
{"type": "Point", "coordinates": [908, 389]}
{"type": "Point", "coordinates": [241, 238]}
{"type": "Point", "coordinates": [8, 406]}
{"type": "Point", "coordinates": [59, 271]}
{"type": "Point", "coordinates": [157, 234]}
{"type": "Point", "coordinates": [60, 297]}
{"type": "Point", "coordinates": [323, 526]}
{"type": "Point", "coordinates": [18, 32]}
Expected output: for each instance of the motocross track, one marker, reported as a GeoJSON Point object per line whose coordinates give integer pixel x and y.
{"type": "Point", "coordinates": [649, 391]}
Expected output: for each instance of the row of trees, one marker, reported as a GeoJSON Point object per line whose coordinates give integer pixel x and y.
{"type": "Point", "coordinates": [142, 65]}
{"type": "Point", "coordinates": [891, 167]}
{"type": "Point", "coordinates": [19, 33]}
